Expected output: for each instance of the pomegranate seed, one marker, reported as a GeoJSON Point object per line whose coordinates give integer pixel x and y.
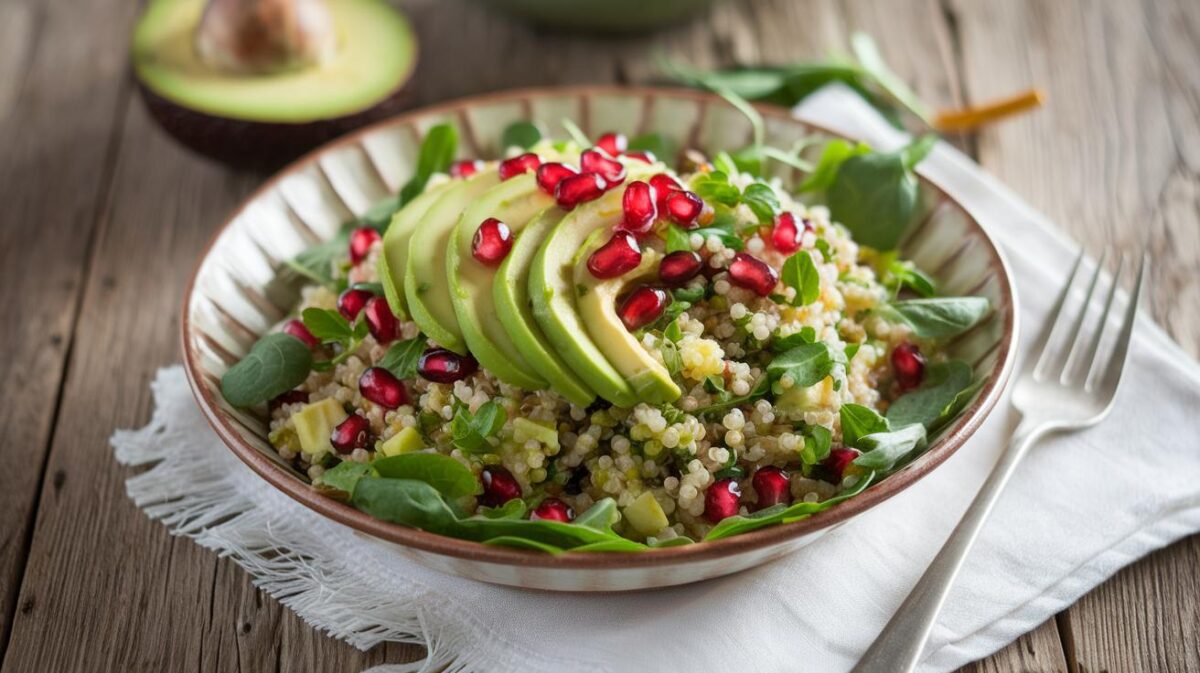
{"type": "Point", "coordinates": [549, 175]}
{"type": "Point", "coordinates": [645, 156]}
{"type": "Point", "coordinates": [290, 397]}
{"type": "Point", "coordinates": [492, 242]}
{"type": "Point", "coordinates": [577, 189]}
{"type": "Point", "coordinates": [752, 273]}
{"type": "Point", "coordinates": [787, 234]}
{"type": "Point", "coordinates": [678, 267]}
{"type": "Point", "coordinates": [382, 387]}
{"type": "Point", "coordinates": [553, 509]}
{"type": "Point", "coordinates": [352, 433]}
{"type": "Point", "coordinates": [663, 184]}
{"type": "Point", "coordinates": [443, 366]}
{"type": "Point", "coordinates": [620, 255]}
{"type": "Point", "coordinates": [510, 168]}
{"type": "Point", "coordinates": [297, 329]}
{"type": "Point", "coordinates": [351, 302]}
{"type": "Point", "coordinates": [499, 486]}
{"type": "Point", "coordinates": [639, 211]}
{"type": "Point", "coordinates": [721, 500]}
{"type": "Point", "coordinates": [613, 143]}
{"type": "Point", "coordinates": [610, 169]}
{"type": "Point", "coordinates": [909, 365]}
{"type": "Point", "coordinates": [361, 240]}
{"type": "Point", "coordinates": [772, 486]}
{"type": "Point", "coordinates": [381, 321]}
{"type": "Point", "coordinates": [643, 306]}
{"type": "Point", "coordinates": [682, 207]}
{"type": "Point", "coordinates": [465, 168]}
{"type": "Point", "coordinates": [837, 462]}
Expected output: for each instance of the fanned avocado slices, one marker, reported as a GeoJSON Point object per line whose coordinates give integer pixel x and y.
{"type": "Point", "coordinates": [553, 293]}
{"type": "Point", "coordinates": [426, 284]}
{"type": "Point", "coordinates": [394, 259]}
{"type": "Point", "coordinates": [510, 292]}
{"type": "Point", "coordinates": [515, 202]}
{"type": "Point", "coordinates": [596, 302]}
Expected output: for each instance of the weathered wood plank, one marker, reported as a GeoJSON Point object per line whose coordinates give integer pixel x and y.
{"type": "Point", "coordinates": [1039, 651]}
{"type": "Point", "coordinates": [1114, 158]}
{"type": "Point", "coordinates": [60, 94]}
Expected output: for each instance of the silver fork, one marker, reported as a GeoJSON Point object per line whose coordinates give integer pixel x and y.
{"type": "Point", "coordinates": [1059, 389]}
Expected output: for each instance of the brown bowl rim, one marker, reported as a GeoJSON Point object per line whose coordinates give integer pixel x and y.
{"type": "Point", "coordinates": [970, 420]}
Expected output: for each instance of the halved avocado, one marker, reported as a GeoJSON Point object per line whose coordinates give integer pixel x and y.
{"type": "Point", "coordinates": [510, 292]}
{"type": "Point", "coordinates": [257, 88]}
{"type": "Point", "coordinates": [394, 259]}
{"type": "Point", "coordinates": [514, 202]}
{"type": "Point", "coordinates": [596, 301]}
{"type": "Point", "coordinates": [552, 290]}
{"type": "Point", "coordinates": [426, 283]}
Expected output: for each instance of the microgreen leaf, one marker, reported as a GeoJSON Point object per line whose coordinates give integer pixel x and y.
{"type": "Point", "coordinates": [327, 325]}
{"type": "Point", "coordinates": [940, 317]}
{"type": "Point", "coordinates": [402, 357]}
{"type": "Point", "coordinates": [437, 151]}
{"type": "Point", "coordinates": [807, 364]}
{"type": "Point", "coordinates": [522, 134]}
{"type": "Point", "coordinates": [451, 478]}
{"type": "Point", "coordinates": [859, 421]}
{"type": "Point", "coordinates": [817, 443]}
{"type": "Point", "coordinates": [835, 152]}
{"type": "Point", "coordinates": [800, 273]}
{"type": "Point", "coordinates": [715, 187]}
{"type": "Point", "coordinates": [762, 201]}
{"type": "Point", "coordinates": [344, 476]}
{"type": "Point", "coordinates": [677, 239]}
{"type": "Point", "coordinates": [470, 431]}
{"type": "Point", "coordinates": [882, 450]}
{"type": "Point", "coordinates": [275, 364]}
{"type": "Point", "coordinates": [806, 335]}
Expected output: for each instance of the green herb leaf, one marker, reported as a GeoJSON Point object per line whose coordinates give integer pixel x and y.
{"type": "Point", "coordinates": [715, 187]}
{"type": "Point", "coordinates": [770, 516]}
{"type": "Point", "coordinates": [688, 294]}
{"type": "Point", "coordinates": [316, 262]}
{"type": "Point", "coordinates": [875, 196]}
{"type": "Point", "coordinates": [762, 201]}
{"type": "Point", "coordinates": [408, 502]}
{"type": "Point", "coordinates": [470, 431]}
{"type": "Point", "coordinates": [761, 387]}
{"type": "Point", "coordinates": [807, 364]}
{"type": "Point", "coordinates": [883, 450]}
{"type": "Point", "coordinates": [327, 325]}
{"type": "Point", "coordinates": [451, 478]}
{"type": "Point", "coordinates": [834, 154]}
{"type": "Point", "coordinates": [800, 274]}
{"type": "Point", "coordinates": [928, 404]}
{"type": "Point", "coordinates": [660, 146]}
{"type": "Point", "coordinates": [673, 332]}
{"type": "Point", "coordinates": [677, 239]}
{"type": "Point", "coordinates": [806, 335]}
{"type": "Point", "coordinates": [522, 134]}
{"type": "Point", "coordinates": [437, 152]}
{"type": "Point", "coordinates": [275, 364]}
{"type": "Point", "coordinates": [872, 62]}
{"type": "Point", "coordinates": [941, 317]}
{"type": "Point", "coordinates": [858, 422]}
{"type": "Point", "coordinates": [402, 357]}
{"type": "Point", "coordinates": [345, 475]}
{"type": "Point", "coordinates": [817, 443]}
{"type": "Point", "coordinates": [896, 273]}
{"type": "Point", "coordinates": [725, 229]}
{"type": "Point", "coordinates": [672, 360]}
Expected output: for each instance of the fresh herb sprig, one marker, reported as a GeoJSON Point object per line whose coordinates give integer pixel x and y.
{"type": "Point", "coordinates": [333, 329]}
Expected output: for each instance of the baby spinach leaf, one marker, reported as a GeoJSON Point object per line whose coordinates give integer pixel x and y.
{"type": "Point", "coordinates": [800, 274]}
{"type": "Point", "coordinates": [817, 443]}
{"type": "Point", "coordinates": [345, 475]}
{"type": "Point", "coordinates": [807, 364]}
{"type": "Point", "coordinates": [327, 325]}
{"type": "Point", "coordinates": [275, 364]}
{"type": "Point", "coordinates": [451, 478]}
{"type": "Point", "coordinates": [875, 196]}
{"type": "Point", "coordinates": [616, 544]}
{"type": "Point", "coordinates": [835, 152]}
{"type": "Point", "coordinates": [470, 431]}
{"type": "Point", "coordinates": [513, 509]}
{"type": "Point", "coordinates": [523, 543]}
{"type": "Point", "coordinates": [882, 450]}
{"type": "Point", "coordinates": [522, 134]}
{"type": "Point", "coordinates": [437, 151]}
{"type": "Point", "coordinates": [928, 404]}
{"type": "Point", "coordinates": [402, 357]}
{"type": "Point", "coordinates": [770, 516]}
{"type": "Point", "coordinates": [677, 541]}
{"type": "Point", "coordinates": [406, 501]}
{"type": "Point", "coordinates": [941, 317]}
{"type": "Point", "coordinates": [859, 421]}
{"type": "Point", "coordinates": [762, 201]}
{"type": "Point", "coordinates": [600, 516]}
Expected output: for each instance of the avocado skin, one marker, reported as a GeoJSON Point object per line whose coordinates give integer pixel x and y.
{"type": "Point", "coordinates": [256, 145]}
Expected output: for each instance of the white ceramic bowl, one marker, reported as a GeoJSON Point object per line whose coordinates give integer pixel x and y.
{"type": "Point", "coordinates": [235, 296]}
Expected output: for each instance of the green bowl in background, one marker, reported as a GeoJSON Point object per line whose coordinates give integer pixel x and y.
{"type": "Point", "coordinates": [605, 16]}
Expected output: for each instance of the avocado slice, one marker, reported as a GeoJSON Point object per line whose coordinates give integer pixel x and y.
{"type": "Point", "coordinates": [394, 259]}
{"type": "Point", "coordinates": [510, 292]}
{"type": "Point", "coordinates": [596, 303]}
{"type": "Point", "coordinates": [262, 115]}
{"type": "Point", "coordinates": [552, 289]}
{"type": "Point", "coordinates": [515, 202]}
{"type": "Point", "coordinates": [426, 284]}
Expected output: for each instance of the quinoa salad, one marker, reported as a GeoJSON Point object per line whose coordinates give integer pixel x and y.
{"type": "Point", "coordinates": [583, 347]}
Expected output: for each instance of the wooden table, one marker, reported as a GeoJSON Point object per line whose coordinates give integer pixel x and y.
{"type": "Point", "coordinates": [103, 217]}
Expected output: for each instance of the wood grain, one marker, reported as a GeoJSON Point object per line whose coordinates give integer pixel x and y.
{"type": "Point", "coordinates": [100, 201]}
{"type": "Point", "coordinates": [60, 93]}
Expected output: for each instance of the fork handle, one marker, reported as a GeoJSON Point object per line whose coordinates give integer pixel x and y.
{"type": "Point", "coordinates": [898, 647]}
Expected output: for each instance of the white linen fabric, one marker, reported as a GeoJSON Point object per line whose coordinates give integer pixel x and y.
{"type": "Point", "coordinates": [1081, 507]}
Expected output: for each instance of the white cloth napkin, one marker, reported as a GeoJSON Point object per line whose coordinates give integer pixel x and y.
{"type": "Point", "coordinates": [1081, 507]}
